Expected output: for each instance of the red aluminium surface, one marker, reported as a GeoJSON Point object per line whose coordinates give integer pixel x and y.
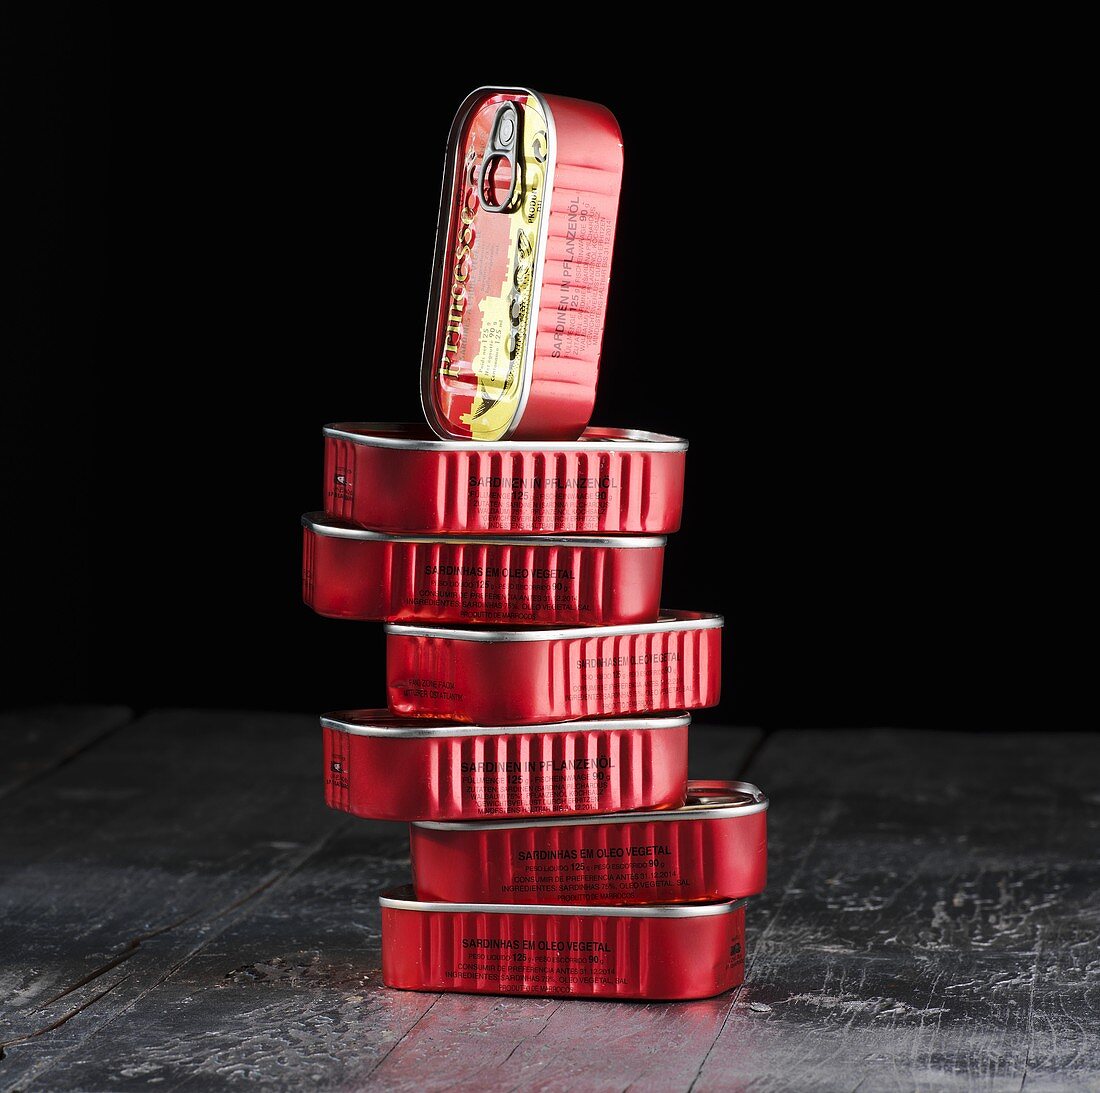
{"type": "Point", "coordinates": [665, 952]}
{"type": "Point", "coordinates": [351, 573]}
{"type": "Point", "coordinates": [389, 768]}
{"type": "Point", "coordinates": [566, 205]}
{"type": "Point", "coordinates": [521, 677]}
{"type": "Point", "coordinates": [715, 847]}
{"type": "Point", "coordinates": [401, 478]}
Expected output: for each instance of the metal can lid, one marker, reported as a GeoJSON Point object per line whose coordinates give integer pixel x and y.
{"type": "Point", "coordinates": [404, 899]}
{"type": "Point", "coordinates": [320, 523]}
{"type": "Point", "coordinates": [392, 726]}
{"type": "Point", "coordinates": [669, 620]}
{"type": "Point", "coordinates": [706, 800]}
{"type": "Point", "coordinates": [413, 437]}
{"type": "Point", "coordinates": [495, 212]}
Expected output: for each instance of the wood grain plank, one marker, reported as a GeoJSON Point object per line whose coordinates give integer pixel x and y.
{"type": "Point", "coordinates": [133, 857]}
{"type": "Point", "coordinates": [933, 917]}
{"type": "Point", "coordinates": [554, 1045]}
{"type": "Point", "coordinates": [288, 994]}
{"type": "Point", "coordinates": [35, 741]}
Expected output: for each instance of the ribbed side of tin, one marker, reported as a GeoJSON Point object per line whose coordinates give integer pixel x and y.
{"type": "Point", "coordinates": [453, 581]}
{"type": "Point", "coordinates": [342, 459]}
{"type": "Point", "coordinates": [502, 491]}
{"type": "Point", "coordinates": [309, 569]}
{"type": "Point", "coordinates": [507, 775]}
{"type": "Point", "coordinates": [649, 671]}
{"type": "Point", "coordinates": [577, 956]}
{"type": "Point", "coordinates": [662, 861]}
{"type": "Point", "coordinates": [561, 679]}
{"type": "Point", "coordinates": [336, 748]}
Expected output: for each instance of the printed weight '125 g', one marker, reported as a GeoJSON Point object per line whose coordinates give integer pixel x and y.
{"type": "Point", "coordinates": [666, 951]}
{"type": "Point", "coordinates": [520, 677]}
{"type": "Point", "coordinates": [549, 580]}
{"type": "Point", "coordinates": [400, 478]}
{"type": "Point", "coordinates": [523, 257]}
{"type": "Point", "coordinates": [389, 768]}
{"type": "Point", "coordinates": [714, 847]}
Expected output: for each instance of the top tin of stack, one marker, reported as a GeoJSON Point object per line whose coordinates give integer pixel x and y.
{"type": "Point", "coordinates": [523, 257]}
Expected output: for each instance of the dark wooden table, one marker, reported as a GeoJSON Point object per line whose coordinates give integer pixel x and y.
{"type": "Point", "coordinates": [179, 910]}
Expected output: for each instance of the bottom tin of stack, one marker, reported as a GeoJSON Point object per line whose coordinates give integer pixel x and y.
{"type": "Point", "coordinates": [661, 951]}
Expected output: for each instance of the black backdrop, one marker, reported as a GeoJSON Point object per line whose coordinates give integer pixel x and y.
{"type": "Point", "coordinates": [232, 227]}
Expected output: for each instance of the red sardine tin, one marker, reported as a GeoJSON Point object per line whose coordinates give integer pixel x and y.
{"type": "Point", "coordinates": [521, 677]}
{"type": "Point", "coordinates": [385, 767]}
{"type": "Point", "coordinates": [661, 952]}
{"type": "Point", "coordinates": [523, 257]}
{"type": "Point", "coordinates": [400, 478]}
{"type": "Point", "coordinates": [351, 573]}
{"type": "Point", "coordinates": [714, 847]}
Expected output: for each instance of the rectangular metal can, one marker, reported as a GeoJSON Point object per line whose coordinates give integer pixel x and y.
{"type": "Point", "coordinates": [384, 767]}
{"type": "Point", "coordinates": [664, 952]}
{"type": "Point", "coordinates": [400, 478]}
{"type": "Point", "coordinates": [523, 258]}
{"type": "Point", "coordinates": [351, 573]}
{"type": "Point", "coordinates": [714, 847]}
{"type": "Point", "coordinates": [521, 677]}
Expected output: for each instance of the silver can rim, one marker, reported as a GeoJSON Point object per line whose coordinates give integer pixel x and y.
{"type": "Point", "coordinates": [332, 527]}
{"type": "Point", "coordinates": [759, 803]}
{"type": "Point", "coordinates": [594, 437]}
{"type": "Point", "coordinates": [396, 899]}
{"type": "Point", "coordinates": [669, 621]}
{"type": "Point", "coordinates": [409, 729]}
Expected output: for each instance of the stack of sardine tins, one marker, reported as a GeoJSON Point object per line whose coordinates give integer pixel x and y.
{"type": "Point", "coordinates": [536, 730]}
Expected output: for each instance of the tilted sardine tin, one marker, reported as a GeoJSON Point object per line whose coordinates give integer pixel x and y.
{"type": "Point", "coordinates": [523, 258]}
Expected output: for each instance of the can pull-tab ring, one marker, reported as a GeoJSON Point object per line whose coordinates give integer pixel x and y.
{"type": "Point", "coordinates": [500, 156]}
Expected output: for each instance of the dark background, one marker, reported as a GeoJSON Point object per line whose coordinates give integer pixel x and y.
{"type": "Point", "coordinates": [231, 230]}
